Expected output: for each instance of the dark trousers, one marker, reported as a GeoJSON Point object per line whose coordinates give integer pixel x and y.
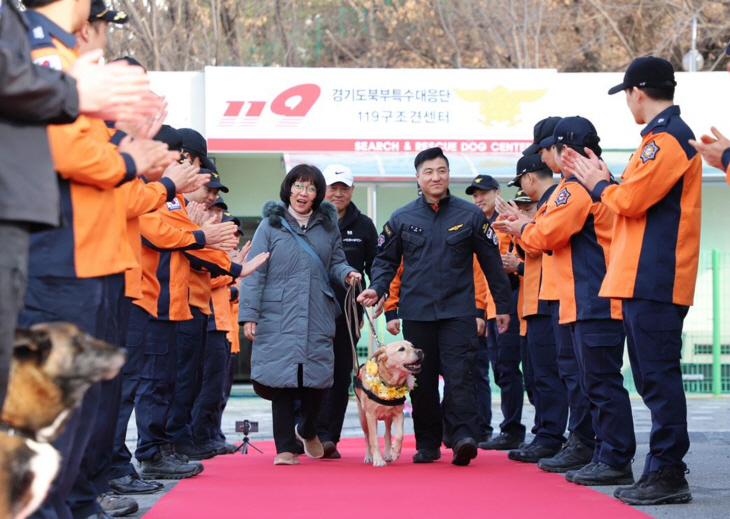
{"type": "Point", "coordinates": [207, 403]}
{"type": "Point", "coordinates": [93, 476]}
{"type": "Point", "coordinates": [529, 378]}
{"type": "Point", "coordinates": [227, 386]}
{"type": "Point", "coordinates": [654, 338]}
{"type": "Point", "coordinates": [13, 275]}
{"type": "Point", "coordinates": [484, 390]}
{"type": "Point", "coordinates": [156, 388]}
{"type": "Point", "coordinates": [550, 392]}
{"type": "Point", "coordinates": [504, 354]}
{"type": "Point", "coordinates": [285, 417]}
{"type": "Point", "coordinates": [450, 348]}
{"type": "Point", "coordinates": [335, 399]}
{"type": "Point", "coordinates": [191, 338]}
{"type": "Point", "coordinates": [580, 422]}
{"type": "Point", "coordinates": [121, 463]}
{"type": "Point", "coordinates": [599, 345]}
{"type": "Point", "coordinates": [77, 301]}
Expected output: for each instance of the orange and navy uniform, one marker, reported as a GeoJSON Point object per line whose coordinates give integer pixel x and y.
{"type": "Point", "coordinates": [233, 335]}
{"type": "Point", "coordinates": [165, 270]}
{"type": "Point", "coordinates": [533, 268]}
{"type": "Point", "coordinates": [506, 245]}
{"type": "Point", "coordinates": [92, 240]}
{"type": "Point", "coordinates": [655, 250]}
{"type": "Point", "coordinates": [390, 308]}
{"type": "Point", "coordinates": [578, 231]}
{"type": "Point", "coordinates": [220, 304]}
{"type": "Point", "coordinates": [138, 198]}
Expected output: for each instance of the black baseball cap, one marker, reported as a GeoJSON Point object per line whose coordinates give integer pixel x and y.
{"type": "Point", "coordinates": [647, 71]}
{"type": "Point", "coordinates": [522, 198]}
{"type": "Point", "coordinates": [193, 142]}
{"type": "Point", "coordinates": [170, 136]}
{"type": "Point", "coordinates": [219, 203]}
{"type": "Point", "coordinates": [527, 164]}
{"type": "Point", "coordinates": [99, 12]}
{"type": "Point", "coordinates": [578, 132]}
{"type": "Point", "coordinates": [482, 183]}
{"type": "Point", "coordinates": [543, 129]}
{"type": "Point", "coordinates": [215, 180]}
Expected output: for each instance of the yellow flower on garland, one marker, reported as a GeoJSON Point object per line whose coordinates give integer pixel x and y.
{"type": "Point", "coordinates": [371, 367]}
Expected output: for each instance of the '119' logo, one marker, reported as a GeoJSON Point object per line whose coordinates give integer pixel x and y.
{"type": "Point", "coordinates": [292, 104]}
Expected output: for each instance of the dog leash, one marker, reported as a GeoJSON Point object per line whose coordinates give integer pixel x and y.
{"type": "Point", "coordinates": [352, 317]}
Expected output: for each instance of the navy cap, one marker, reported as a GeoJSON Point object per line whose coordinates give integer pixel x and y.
{"type": "Point", "coordinates": [170, 136]}
{"type": "Point", "coordinates": [542, 130]}
{"type": "Point", "coordinates": [527, 164]}
{"type": "Point", "coordinates": [522, 198]}
{"type": "Point", "coordinates": [482, 183]}
{"type": "Point", "coordinates": [220, 203]}
{"type": "Point", "coordinates": [647, 71]}
{"type": "Point", "coordinates": [727, 50]}
{"type": "Point", "coordinates": [99, 12]}
{"type": "Point", "coordinates": [193, 142]}
{"type": "Point", "coordinates": [215, 180]}
{"type": "Point", "coordinates": [239, 225]}
{"type": "Point", "coordinates": [578, 132]}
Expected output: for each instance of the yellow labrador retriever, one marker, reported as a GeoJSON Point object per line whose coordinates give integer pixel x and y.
{"type": "Point", "coordinates": [381, 386]}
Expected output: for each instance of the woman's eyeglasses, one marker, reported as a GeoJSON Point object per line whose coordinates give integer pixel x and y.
{"type": "Point", "coordinates": [298, 186]}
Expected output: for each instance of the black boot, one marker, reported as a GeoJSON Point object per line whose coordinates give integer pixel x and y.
{"type": "Point", "coordinates": [532, 453]}
{"type": "Point", "coordinates": [602, 474]}
{"type": "Point", "coordinates": [662, 487]}
{"type": "Point", "coordinates": [574, 455]}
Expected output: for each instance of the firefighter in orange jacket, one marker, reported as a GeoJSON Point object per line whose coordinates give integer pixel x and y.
{"type": "Point", "coordinates": [550, 391]}
{"type": "Point", "coordinates": [578, 231]}
{"type": "Point", "coordinates": [501, 350]}
{"type": "Point", "coordinates": [653, 265]}
{"type": "Point", "coordinates": [76, 270]}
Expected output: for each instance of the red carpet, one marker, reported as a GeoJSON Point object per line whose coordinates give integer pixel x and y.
{"type": "Point", "coordinates": [240, 486]}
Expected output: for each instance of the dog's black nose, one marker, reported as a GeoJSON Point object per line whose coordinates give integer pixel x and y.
{"type": "Point", "coordinates": [419, 354]}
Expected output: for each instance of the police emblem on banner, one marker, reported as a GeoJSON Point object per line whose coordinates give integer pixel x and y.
{"type": "Point", "coordinates": [562, 197]}
{"type": "Point", "coordinates": [649, 152]}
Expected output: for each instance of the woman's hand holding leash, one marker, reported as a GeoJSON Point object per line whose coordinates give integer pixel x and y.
{"type": "Point", "coordinates": [353, 278]}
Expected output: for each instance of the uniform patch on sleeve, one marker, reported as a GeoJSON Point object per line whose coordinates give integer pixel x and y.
{"type": "Point", "coordinates": [387, 230]}
{"type": "Point", "coordinates": [562, 197]}
{"type": "Point", "coordinates": [52, 61]}
{"type": "Point", "coordinates": [491, 235]}
{"type": "Point", "coordinates": [381, 240]}
{"type": "Point", "coordinates": [649, 152]}
{"type": "Point", "coordinates": [175, 204]}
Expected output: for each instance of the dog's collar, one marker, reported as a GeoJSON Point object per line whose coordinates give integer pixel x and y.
{"type": "Point", "coordinates": [14, 431]}
{"type": "Point", "coordinates": [375, 398]}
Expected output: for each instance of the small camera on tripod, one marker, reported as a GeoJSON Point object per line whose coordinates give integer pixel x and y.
{"type": "Point", "coordinates": [246, 427]}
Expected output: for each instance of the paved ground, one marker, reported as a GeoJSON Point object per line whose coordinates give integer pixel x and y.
{"type": "Point", "coordinates": [708, 458]}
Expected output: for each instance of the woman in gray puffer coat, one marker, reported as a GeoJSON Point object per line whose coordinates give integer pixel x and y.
{"type": "Point", "coordinates": [288, 308]}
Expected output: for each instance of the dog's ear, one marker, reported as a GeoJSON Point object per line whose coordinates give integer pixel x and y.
{"type": "Point", "coordinates": [35, 341]}
{"type": "Point", "coordinates": [380, 355]}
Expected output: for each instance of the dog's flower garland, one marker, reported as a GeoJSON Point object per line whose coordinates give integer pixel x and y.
{"type": "Point", "coordinates": [379, 388]}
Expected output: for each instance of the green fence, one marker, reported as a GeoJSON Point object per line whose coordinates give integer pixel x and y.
{"type": "Point", "coordinates": [706, 338]}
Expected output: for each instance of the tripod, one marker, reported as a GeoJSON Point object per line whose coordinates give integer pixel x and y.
{"type": "Point", "coordinates": [246, 428]}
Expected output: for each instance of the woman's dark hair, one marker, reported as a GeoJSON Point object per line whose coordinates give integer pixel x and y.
{"type": "Point", "coordinates": [304, 173]}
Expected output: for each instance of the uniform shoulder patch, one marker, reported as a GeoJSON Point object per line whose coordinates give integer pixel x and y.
{"type": "Point", "coordinates": [51, 61]}
{"type": "Point", "coordinates": [562, 197]}
{"type": "Point", "coordinates": [491, 235]}
{"type": "Point", "coordinates": [649, 152]}
{"type": "Point", "coordinates": [175, 204]}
